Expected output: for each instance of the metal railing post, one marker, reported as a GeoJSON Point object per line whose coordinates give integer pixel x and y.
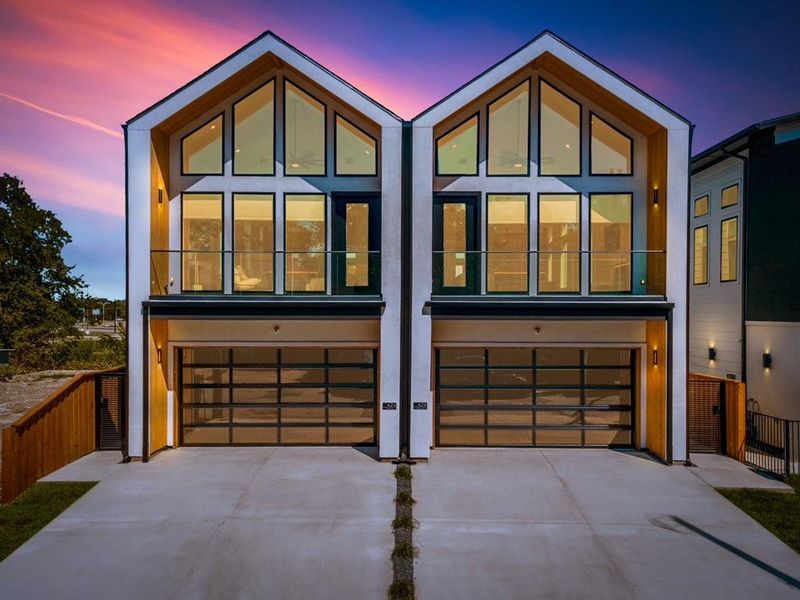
{"type": "Point", "coordinates": [786, 453]}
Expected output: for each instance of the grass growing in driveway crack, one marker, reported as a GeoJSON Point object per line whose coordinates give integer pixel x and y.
{"type": "Point", "coordinates": [404, 551]}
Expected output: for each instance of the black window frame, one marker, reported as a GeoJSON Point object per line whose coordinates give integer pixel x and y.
{"type": "Point", "coordinates": [722, 195]}
{"type": "Point", "coordinates": [630, 139]}
{"type": "Point", "coordinates": [527, 252]}
{"type": "Point", "coordinates": [233, 243]}
{"type": "Point", "coordinates": [221, 251]}
{"type": "Point", "coordinates": [708, 206]}
{"type": "Point", "coordinates": [542, 80]}
{"type": "Point", "coordinates": [477, 116]}
{"type": "Point", "coordinates": [472, 201]}
{"type": "Point", "coordinates": [324, 252]}
{"type": "Point", "coordinates": [324, 173]}
{"type": "Point", "coordinates": [694, 254]}
{"type": "Point", "coordinates": [527, 82]}
{"type": "Point", "coordinates": [539, 241]}
{"type": "Point", "coordinates": [222, 146]}
{"type": "Point", "coordinates": [336, 116]}
{"type": "Point", "coordinates": [721, 241]}
{"type": "Point", "coordinates": [340, 200]}
{"type": "Point", "coordinates": [273, 81]}
{"type": "Point", "coordinates": [591, 252]}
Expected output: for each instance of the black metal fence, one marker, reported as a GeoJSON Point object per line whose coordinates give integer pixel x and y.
{"type": "Point", "coordinates": [772, 444]}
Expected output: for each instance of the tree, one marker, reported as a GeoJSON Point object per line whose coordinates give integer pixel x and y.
{"type": "Point", "coordinates": [40, 297]}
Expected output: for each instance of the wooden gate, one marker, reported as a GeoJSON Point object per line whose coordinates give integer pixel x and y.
{"type": "Point", "coordinates": [706, 416]}
{"type": "Point", "coordinates": [110, 413]}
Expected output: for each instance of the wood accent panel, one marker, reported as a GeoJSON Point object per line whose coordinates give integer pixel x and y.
{"type": "Point", "coordinates": [232, 85]}
{"type": "Point", "coordinates": [656, 441]}
{"type": "Point", "coordinates": [158, 385]}
{"type": "Point", "coordinates": [49, 436]}
{"type": "Point", "coordinates": [159, 212]}
{"type": "Point", "coordinates": [595, 93]}
{"type": "Point", "coordinates": [657, 213]}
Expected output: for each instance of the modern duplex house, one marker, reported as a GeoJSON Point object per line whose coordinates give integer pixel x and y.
{"type": "Point", "coordinates": [263, 258]}
{"type": "Point", "coordinates": [549, 259]}
{"type": "Point", "coordinates": [745, 312]}
{"type": "Point", "coordinates": [506, 269]}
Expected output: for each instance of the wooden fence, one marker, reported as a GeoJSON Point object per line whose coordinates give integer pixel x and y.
{"type": "Point", "coordinates": [51, 435]}
{"type": "Point", "coordinates": [733, 423]}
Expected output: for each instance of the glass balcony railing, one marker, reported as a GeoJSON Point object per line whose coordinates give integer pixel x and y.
{"type": "Point", "coordinates": [540, 273]}
{"type": "Point", "coordinates": [338, 273]}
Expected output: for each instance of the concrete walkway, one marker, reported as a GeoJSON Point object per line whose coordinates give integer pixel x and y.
{"type": "Point", "coordinates": [223, 523]}
{"type": "Point", "coordinates": [563, 523]}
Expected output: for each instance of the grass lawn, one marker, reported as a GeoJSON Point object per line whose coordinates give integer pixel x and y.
{"type": "Point", "coordinates": [34, 509]}
{"type": "Point", "coordinates": [777, 511]}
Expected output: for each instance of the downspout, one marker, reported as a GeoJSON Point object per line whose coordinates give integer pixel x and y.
{"type": "Point", "coordinates": [743, 275]}
{"type": "Point", "coordinates": [405, 292]}
{"type": "Point", "coordinates": [125, 409]}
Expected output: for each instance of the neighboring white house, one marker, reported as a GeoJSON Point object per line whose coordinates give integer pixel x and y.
{"type": "Point", "coordinates": [509, 268]}
{"type": "Point", "coordinates": [744, 308]}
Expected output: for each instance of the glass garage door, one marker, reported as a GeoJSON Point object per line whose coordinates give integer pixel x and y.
{"type": "Point", "coordinates": [534, 397]}
{"type": "Point", "coordinates": [271, 396]}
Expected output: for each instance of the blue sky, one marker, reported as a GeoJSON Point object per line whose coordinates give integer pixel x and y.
{"type": "Point", "coordinates": [72, 72]}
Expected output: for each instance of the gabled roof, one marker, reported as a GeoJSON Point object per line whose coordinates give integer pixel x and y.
{"type": "Point", "coordinates": [548, 42]}
{"type": "Point", "coordinates": [266, 43]}
{"type": "Point", "coordinates": [737, 142]}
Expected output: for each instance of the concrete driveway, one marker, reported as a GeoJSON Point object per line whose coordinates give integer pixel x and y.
{"type": "Point", "coordinates": [224, 523]}
{"type": "Point", "coordinates": [563, 523]}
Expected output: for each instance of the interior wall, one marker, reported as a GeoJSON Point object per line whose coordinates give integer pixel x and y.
{"type": "Point", "coordinates": [656, 436]}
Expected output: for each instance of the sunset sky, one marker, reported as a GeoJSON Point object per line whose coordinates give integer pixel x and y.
{"type": "Point", "coordinates": [72, 71]}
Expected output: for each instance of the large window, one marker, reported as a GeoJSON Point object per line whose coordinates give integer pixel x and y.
{"type": "Point", "coordinates": [201, 150]}
{"type": "Point", "coordinates": [508, 133]}
{"type": "Point", "coordinates": [729, 249]}
{"type": "Point", "coordinates": [201, 242]}
{"type": "Point", "coordinates": [701, 206]}
{"type": "Point", "coordinates": [610, 237]}
{"type": "Point", "coordinates": [304, 133]}
{"type": "Point", "coordinates": [253, 243]}
{"type": "Point", "coordinates": [457, 150]}
{"type": "Point", "coordinates": [357, 242]}
{"type": "Point", "coordinates": [559, 243]}
{"type": "Point", "coordinates": [611, 150]}
{"type": "Point", "coordinates": [507, 243]}
{"type": "Point", "coordinates": [356, 151]}
{"type": "Point", "coordinates": [454, 241]}
{"type": "Point", "coordinates": [254, 132]}
{"type": "Point", "coordinates": [730, 196]}
{"type": "Point", "coordinates": [559, 133]}
{"type": "Point", "coordinates": [700, 255]}
{"type": "Point", "coordinates": [305, 242]}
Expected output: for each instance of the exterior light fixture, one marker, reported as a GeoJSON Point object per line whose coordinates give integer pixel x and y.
{"type": "Point", "coordinates": [712, 353]}
{"type": "Point", "coordinates": [766, 360]}
{"type": "Point", "coordinates": [655, 356]}
{"type": "Point", "coordinates": [158, 355]}
{"type": "Point", "coordinates": [160, 196]}
{"type": "Point", "coordinates": [655, 196]}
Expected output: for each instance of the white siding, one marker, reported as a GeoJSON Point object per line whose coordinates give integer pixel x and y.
{"type": "Point", "coordinates": [715, 317]}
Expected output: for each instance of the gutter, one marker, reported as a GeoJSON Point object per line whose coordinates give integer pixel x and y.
{"type": "Point", "coordinates": [743, 253]}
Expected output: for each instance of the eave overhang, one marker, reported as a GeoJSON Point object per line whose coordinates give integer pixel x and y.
{"type": "Point", "coordinates": [480, 307]}
{"type": "Point", "coordinates": [285, 307]}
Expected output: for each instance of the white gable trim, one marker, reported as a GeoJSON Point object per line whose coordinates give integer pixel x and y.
{"type": "Point", "coordinates": [241, 59]}
{"type": "Point", "coordinates": [549, 43]}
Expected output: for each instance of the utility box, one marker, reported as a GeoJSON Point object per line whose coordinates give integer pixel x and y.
{"type": "Point", "coordinates": [5, 356]}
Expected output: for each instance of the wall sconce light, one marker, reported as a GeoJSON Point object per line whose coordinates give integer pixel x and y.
{"type": "Point", "coordinates": [766, 360]}
{"type": "Point", "coordinates": [712, 353]}
{"type": "Point", "coordinates": [655, 196]}
{"type": "Point", "coordinates": [655, 356]}
{"type": "Point", "coordinates": [160, 196]}
{"type": "Point", "coordinates": [276, 329]}
{"type": "Point", "coordinates": [158, 355]}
